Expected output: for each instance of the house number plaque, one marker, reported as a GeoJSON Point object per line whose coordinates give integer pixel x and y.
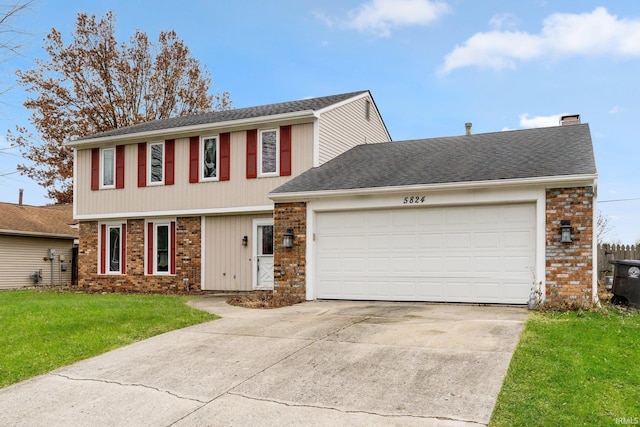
{"type": "Point", "coordinates": [412, 200]}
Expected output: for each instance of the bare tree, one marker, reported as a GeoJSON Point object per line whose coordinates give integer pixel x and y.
{"type": "Point", "coordinates": [11, 38]}
{"type": "Point", "coordinates": [95, 84]}
{"type": "Point", "coordinates": [603, 226]}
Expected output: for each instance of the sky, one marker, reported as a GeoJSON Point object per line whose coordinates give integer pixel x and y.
{"type": "Point", "coordinates": [431, 66]}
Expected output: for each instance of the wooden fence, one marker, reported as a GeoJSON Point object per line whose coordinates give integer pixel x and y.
{"type": "Point", "coordinates": [608, 252]}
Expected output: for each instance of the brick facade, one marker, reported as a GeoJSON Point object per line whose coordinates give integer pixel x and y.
{"type": "Point", "coordinates": [289, 267]}
{"type": "Point", "coordinates": [569, 266]}
{"type": "Point", "coordinates": [188, 260]}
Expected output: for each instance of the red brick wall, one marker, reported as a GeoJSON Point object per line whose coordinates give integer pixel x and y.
{"type": "Point", "coordinates": [188, 260]}
{"type": "Point", "coordinates": [289, 268]}
{"type": "Point", "coordinates": [569, 266]}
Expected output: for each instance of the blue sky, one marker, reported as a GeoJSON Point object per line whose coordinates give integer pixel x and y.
{"type": "Point", "coordinates": [430, 65]}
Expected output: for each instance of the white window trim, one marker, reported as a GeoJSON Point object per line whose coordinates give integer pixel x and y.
{"type": "Point", "coordinates": [103, 169]}
{"type": "Point", "coordinates": [201, 165]}
{"type": "Point", "coordinates": [109, 225]}
{"type": "Point", "coordinates": [149, 163]}
{"type": "Point", "coordinates": [277, 172]}
{"type": "Point", "coordinates": [156, 223]}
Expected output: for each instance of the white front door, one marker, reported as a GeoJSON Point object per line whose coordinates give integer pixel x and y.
{"type": "Point", "coordinates": [263, 254]}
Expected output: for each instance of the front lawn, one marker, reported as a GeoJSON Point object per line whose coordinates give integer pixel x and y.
{"type": "Point", "coordinates": [42, 331]}
{"type": "Point", "coordinates": [574, 369]}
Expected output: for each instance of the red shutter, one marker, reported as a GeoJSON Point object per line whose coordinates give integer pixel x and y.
{"type": "Point", "coordinates": [169, 163]}
{"type": "Point", "coordinates": [103, 248]}
{"type": "Point", "coordinates": [285, 150]}
{"type": "Point", "coordinates": [173, 247]}
{"type": "Point", "coordinates": [252, 153]}
{"type": "Point", "coordinates": [142, 164]}
{"type": "Point", "coordinates": [123, 245]}
{"type": "Point", "coordinates": [149, 248]}
{"type": "Point", "coordinates": [95, 168]}
{"type": "Point", "coordinates": [194, 158]}
{"type": "Point", "coordinates": [225, 156]}
{"type": "Point", "coordinates": [119, 166]}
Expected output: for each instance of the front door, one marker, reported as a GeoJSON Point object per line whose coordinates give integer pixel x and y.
{"type": "Point", "coordinates": [263, 254]}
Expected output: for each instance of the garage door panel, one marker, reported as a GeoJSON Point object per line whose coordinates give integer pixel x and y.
{"type": "Point", "coordinates": [430, 264]}
{"type": "Point", "coordinates": [450, 254]}
{"type": "Point", "coordinates": [403, 241]}
{"type": "Point", "coordinates": [429, 240]}
{"type": "Point", "coordinates": [458, 240]}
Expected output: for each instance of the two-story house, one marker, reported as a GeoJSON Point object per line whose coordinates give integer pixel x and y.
{"type": "Point", "coordinates": [181, 203]}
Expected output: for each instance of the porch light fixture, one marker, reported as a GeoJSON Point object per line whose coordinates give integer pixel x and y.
{"type": "Point", "coordinates": [287, 238]}
{"type": "Point", "coordinates": [245, 241]}
{"type": "Point", "coordinates": [565, 231]}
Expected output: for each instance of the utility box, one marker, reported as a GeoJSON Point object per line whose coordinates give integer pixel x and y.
{"type": "Point", "coordinates": [626, 282]}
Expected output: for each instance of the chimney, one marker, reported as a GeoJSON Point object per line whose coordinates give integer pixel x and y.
{"type": "Point", "coordinates": [570, 119]}
{"type": "Point", "coordinates": [467, 127]}
{"type": "Point", "coordinates": [20, 192]}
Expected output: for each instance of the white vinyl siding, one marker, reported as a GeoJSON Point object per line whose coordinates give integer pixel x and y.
{"type": "Point", "coordinates": [237, 192]}
{"type": "Point", "coordinates": [20, 256]}
{"type": "Point", "coordinates": [226, 261]}
{"type": "Point", "coordinates": [346, 126]}
{"type": "Point", "coordinates": [480, 254]}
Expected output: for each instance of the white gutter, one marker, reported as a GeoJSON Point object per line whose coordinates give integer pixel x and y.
{"type": "Point", "coordinates": [470, 185]}
{"type": "Point", "coordinates": [178, 212]}
{"type": "Point", "coordinates": [37, 234]}
{"type": "Point", "coordinates": [182, 130]}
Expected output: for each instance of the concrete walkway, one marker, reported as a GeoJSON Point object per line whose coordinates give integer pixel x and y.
{"type": "Point", "coordinates": [318, 363]}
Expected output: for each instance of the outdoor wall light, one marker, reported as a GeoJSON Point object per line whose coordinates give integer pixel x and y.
{"type": "Point", "coordinates": [287, 238]}
{"type": "Point", "coordinates": [245, 241]}
{"type": "Point", "coordinates": [565, 231]}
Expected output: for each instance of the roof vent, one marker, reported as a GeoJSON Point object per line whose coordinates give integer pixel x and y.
{"type": "Point", "coordinates": [570, 119]}
{"type": "Point", "coordinates": [467, 127]}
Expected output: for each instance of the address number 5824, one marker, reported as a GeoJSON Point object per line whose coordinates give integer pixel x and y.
{"type": "Point", "coordinates": [412, 200]}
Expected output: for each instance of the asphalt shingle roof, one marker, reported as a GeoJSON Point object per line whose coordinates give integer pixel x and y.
{"type": "Point", "coordinates": [530, 153]}
{"type": "Point", "coordinates": [313, 104]}
{"type": "Point", "coordinates": [45, 220]}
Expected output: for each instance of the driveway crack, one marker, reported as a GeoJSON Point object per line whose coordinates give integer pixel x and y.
{"type": "Point", "coordinates": [129, 385]}
{"type": "Point", "coordinates": [353, 411]}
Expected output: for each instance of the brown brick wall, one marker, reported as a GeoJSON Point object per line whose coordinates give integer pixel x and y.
{"type": "Point", "coordinates": [569, 266]}
{"type": "Point", "coordinates": [290, 263]}
{"type": "Point", "coordinates": [188, 260]}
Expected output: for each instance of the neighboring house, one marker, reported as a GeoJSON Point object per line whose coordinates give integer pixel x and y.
{"type": "Point", "coordinates": [28, 234]}
{"type": "Point", "coordinates": [483, 218]}
{"type": "Point", "coordinates": [181, 204]}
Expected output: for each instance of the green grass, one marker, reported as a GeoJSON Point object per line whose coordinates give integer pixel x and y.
{"type": "Point", "coordinates": [573, 369]}
{"type": "Point", "coordinates": [42, 331]}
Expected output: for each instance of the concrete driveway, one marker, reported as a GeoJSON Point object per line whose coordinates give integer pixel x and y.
{"type": "Point", "coordinates": [317, 363]}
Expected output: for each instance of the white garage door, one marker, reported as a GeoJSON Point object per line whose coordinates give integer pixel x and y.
{"type": "Point", "coordinates": [482, 254]}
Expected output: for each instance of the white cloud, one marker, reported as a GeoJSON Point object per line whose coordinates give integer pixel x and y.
{"type": "Point", "coordinates": [380, 16]}
{"type": "Point", "coordinates": [503, 20]}
{"type": "Point", "coordinates": [562, 34]}
{"type": "Point", "coordinates": [539, 121]}
{"type": "Point", "coordinates": [616, 109]}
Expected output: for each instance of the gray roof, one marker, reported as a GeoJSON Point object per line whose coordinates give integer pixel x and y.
{"type": "Point", "coordinates": [312, 104]}
{"type": "Point", "coordinates": [530, 153]}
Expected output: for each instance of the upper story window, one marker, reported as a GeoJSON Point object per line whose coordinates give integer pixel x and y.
{"type": "Point", "coordinates": [268, 150]}
{"type": "Point", "coordinates": [156, 163]}
{"type": "Point", "coordinates": [108, 167]}
{"type": "Point", "coordinates": [210, 158]}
